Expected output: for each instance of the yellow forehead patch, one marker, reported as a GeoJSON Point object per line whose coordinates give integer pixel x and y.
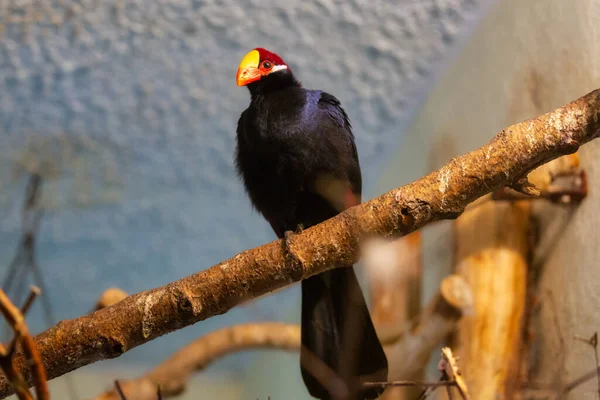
{"type": "Point", "coordinates": [250, 60]}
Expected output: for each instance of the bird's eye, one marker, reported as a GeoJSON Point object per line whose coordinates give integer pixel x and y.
{"type": "Point", "coordinates": [267, 65]}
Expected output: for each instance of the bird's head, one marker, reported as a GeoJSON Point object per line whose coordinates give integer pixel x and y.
{"type": "Point", "coordinates": [260, 67]}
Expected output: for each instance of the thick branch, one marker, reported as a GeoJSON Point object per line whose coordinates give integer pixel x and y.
{"type": "Point", "coordinates": [445, 193]}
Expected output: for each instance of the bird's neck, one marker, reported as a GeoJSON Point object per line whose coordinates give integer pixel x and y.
{"type": "Point", "coordinates": [271, 85]}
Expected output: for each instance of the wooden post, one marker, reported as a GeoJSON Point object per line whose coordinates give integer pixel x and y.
{"type": "Point", "coordinates": [492, 254]}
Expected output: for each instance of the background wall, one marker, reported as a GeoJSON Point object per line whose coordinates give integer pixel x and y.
{"type": "Point", "coordinates": [525, 58]}
{"type": "Point", "coordinates": [129, 109]}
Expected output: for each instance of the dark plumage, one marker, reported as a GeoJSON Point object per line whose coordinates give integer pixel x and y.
{"type": "Point", "coordinates": [298, 161]}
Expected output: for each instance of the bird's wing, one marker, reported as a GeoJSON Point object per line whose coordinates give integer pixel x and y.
{"type": "Point", "coordinates": [341, 188]}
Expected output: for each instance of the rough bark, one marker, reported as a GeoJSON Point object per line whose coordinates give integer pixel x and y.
{"type": "Point", "coordinates": [442, 194]}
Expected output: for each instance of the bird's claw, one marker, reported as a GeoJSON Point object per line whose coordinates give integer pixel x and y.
{"type": "Point", "coordinates": [287, 236]}
{"type": "Point", "coordinates": [290, 256]}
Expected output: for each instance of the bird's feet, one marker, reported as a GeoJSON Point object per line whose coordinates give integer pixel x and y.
{"type": "Point", "coordinates": [287, 235]}
{"type": "Point", "coordinates": [290, 256]}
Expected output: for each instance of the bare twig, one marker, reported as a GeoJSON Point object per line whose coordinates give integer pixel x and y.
{"type": "Point", "coordinates": [14, 377]}
{"type": "Point", "coordinates": [581, 380]}
{"type": "Point", "coordinates": [173, 374]}
{"type": "Point", "coordinates": [593, 342]}
{"type": "Point", "coordinates": [565, 189]}
{"type": "Point", "coordinates": [443, 381]}
{"type": "Point", "coordinates": [34, 292]}
{"type": "Point", "coordinates": [119, 390]}
{"type": "Point", "coordinates": [554, 389]}
{"type": "Point", "coordinates": [423, 384]}
{"type": "Point", "coordinates": [15, 319]}
{"type": "Point", "coordinates": [411, 352]}
{"type": "Point", "coordinates": [443, 194]}
{"type": "Point", "coordinates": [451, 369]}
{"type": "Point", "coordinates": [449, 393]}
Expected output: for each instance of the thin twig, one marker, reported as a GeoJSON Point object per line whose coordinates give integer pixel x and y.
{"type": "Point", "coordinates": [451, 368]}
{"type": "Point", "coordinates": [15, 319]}
{"type": "Point", "coordinates": [593, 342]}
{"type": "Point", "coordinates": [449, 393]}
{"type": "Point", "coordinates": [565, 189]}
{"type": "Point", "coordinates": [16, 379]}
{"type": "Point", "coordinates": [424, 384]}
{"type": "Point", "coordinates": [119, 390]}
{"type": "Point", "coordinates": [581, 380]}
{"type": "Point", "coordinates": [173, 374]}
{"type": "Point", "coordinates": [34, 292]}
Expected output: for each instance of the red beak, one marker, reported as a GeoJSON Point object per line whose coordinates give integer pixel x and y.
{"type": "Point", "coordinates": [247, 75]}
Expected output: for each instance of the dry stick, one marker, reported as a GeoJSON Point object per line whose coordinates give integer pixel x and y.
{"type": "Point", "coordinates": [34, 292]}
{"type": "Point", "coordinates": [422, 384]}
{"type": "Point", "coordinates": [412, 352]}
{"type": "Point", "coordinates": [449, 393]}
{"type": "Point", "coordinates": [551, 387]}
{"type": "Point", "coordinates": [15, 319]}
{"type": "Point", "coordinates": [593, 342]}
{"type": "Point", "coordinates": [443, 194]}
{"type": "Point", "coordinates": [16, 379]}
{"type": "Point", "coordinates": [289, 338]}
{"type": "Point", "coordinates": [581, 380]}
{"type": "Point", "coordinates": [173, 374]}
{"type": "Point", "coordinates": [451, 368]}
{"type": "Point", "coordinates": [450, 378]}
{"type": "Point", "coordinates": [119, 390]}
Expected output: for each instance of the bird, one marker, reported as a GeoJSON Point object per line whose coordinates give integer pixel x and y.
{"type": "Point", "coordinates": [297, 158]}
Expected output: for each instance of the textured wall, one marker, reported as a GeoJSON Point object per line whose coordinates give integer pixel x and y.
{"type": "Point", "coordinates": [526, 58]}
{"type": "Point", "coordinates": [130, 107]}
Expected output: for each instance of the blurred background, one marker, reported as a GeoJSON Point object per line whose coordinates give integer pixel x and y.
{"type": "Point", "coordinates": [126, 111]}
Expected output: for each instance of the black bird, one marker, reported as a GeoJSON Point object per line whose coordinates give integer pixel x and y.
{"type": "Point", "coordinates": [297, 158]}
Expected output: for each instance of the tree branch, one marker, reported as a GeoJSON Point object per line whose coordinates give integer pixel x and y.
{"type": "Point", "coordinates": [443, 194]}
{"type": "Point", "coordinates": [16, 321]}
{"type": "Point", "coordinates": [410, 353]}
{"type": "Point", "coordinates": [173, 374]}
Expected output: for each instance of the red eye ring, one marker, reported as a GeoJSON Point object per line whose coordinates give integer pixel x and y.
{"type": "Point", "coordinates": [267, 65]}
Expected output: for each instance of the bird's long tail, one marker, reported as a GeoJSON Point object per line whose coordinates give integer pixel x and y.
{"type": "Point", "coordinates": [340, 348]}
